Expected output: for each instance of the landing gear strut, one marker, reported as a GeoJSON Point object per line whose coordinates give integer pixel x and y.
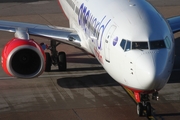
{"type": "Point", "coordinates": [155, 96]}
{"type": "Point", "coordinates": [56, 58]}
{"type": "Point", "coordinates": [144, 104]}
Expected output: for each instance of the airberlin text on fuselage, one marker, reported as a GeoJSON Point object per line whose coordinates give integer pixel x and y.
{"type": "Point", "coordinates": [91, 24]}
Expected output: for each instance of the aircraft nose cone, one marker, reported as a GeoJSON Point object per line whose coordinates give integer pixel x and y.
{"type": "Point", "coordinates": [151, 70]}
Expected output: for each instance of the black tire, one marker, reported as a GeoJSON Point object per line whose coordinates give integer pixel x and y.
{"type": "Point", "coordinates": [48, 62]}
{"type": "Point", "coordinates": [62, 64]}
{"type": "Point", "coordinates": [140, 109]}
{"type": "Point", "coordinates": [148, 109]}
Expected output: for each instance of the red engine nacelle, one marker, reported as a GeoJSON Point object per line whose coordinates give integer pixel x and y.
{"type": "Point", "coordinates": [23, 58]}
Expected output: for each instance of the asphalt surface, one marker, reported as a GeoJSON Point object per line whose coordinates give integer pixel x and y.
{"type": "Point", "coordinates": [85, 91]}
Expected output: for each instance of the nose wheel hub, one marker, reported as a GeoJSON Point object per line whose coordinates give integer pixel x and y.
{"type": "Point", "coordinates": [143, 105]}
{"type": "Point", "coordinates": [143, 108]}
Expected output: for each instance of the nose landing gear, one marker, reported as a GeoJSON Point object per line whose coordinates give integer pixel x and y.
{"type": "Point", "coordinates": [144, 107]}
{"type": "Point", "coordinates": [143, 104]}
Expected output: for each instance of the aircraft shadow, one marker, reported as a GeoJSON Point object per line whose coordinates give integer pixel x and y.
{"type": "Point", "coordinates": [100, 80]}
{"type": "Point", "coordinates": [167, 115]}
{"type": "Point", "coordinates": [175, 75]}
{"type": "Point", "coordinates": [78, 58]}
{"type": "Point", "coordinates": [83, 60]}
{"type": "Point", "coordinates": [91, 61]}
{"type": "Point", "coordinates": [79, 69]}
{"type": "Point", "coordinates": [77, 54]}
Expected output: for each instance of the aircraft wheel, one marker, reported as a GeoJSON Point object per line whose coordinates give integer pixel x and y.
{"type": "Point", "coordinates": [140, 109]}
{"type": "Point", "coordinates": [48, 62]}
{"type": "Point", "coordinates": [62, 65]}
{"type": "Point", "coordinates": [148, 109]}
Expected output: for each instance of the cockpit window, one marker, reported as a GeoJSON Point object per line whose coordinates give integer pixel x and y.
{"type": "Point", "coordinates": [123, 43]}
{"type": "Point", "coordinates": [128, 46]}
{"type": "Point", "coordinates": [167, 42]}
{"type": "Point", "coordinates": [139, 45]}
{"type": "Point", "coordinates": [157, 44]}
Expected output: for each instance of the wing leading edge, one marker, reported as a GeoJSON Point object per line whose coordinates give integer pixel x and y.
{"type": "Point", "coordinates": [174, 23]}
{"type": "Point", "coordinates": [61, 34]}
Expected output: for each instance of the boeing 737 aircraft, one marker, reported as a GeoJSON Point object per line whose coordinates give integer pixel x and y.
{"type": "Point", "coordinates": [130, 39]}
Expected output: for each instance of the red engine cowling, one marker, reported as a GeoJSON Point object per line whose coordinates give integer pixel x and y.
{"type": "Point", "coordinates": [23, 58]}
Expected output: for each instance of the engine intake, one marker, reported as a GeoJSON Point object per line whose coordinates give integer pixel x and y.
{"type": "Point", "coordinates": [23, 58]}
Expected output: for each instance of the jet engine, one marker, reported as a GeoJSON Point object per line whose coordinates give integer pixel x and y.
{"type": "Point", "coordinates": [23, 58]}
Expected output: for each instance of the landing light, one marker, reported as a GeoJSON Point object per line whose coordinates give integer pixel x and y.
{"type": "Point", "coordinates": [132, 5]}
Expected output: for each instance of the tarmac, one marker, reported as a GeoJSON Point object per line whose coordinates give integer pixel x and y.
{"type": "Point", "coordinates": [85, 91]}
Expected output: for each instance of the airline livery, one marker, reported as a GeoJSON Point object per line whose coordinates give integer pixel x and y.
{"type": "Point", "coordinates": [130, 39]}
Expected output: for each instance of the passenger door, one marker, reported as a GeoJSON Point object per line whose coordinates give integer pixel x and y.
{"type": "Point", "coordinates": [108, 43]}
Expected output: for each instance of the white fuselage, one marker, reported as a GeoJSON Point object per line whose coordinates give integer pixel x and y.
{"type": "Point", "coordinates": [110, 30]}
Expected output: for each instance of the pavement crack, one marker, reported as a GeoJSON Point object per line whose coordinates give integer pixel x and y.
{"type": "Point", "coordinates": [77, 114]}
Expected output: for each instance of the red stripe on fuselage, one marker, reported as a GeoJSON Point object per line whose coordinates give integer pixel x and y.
{"type": "Point", "coordinates": [62, 9]}
{"type": "Point", "coordinates": [136, 93]}
{"type": "Point", "coordinates": [138, 90]}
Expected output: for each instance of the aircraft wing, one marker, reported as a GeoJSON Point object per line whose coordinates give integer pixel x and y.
{"type": "Point", "coordinates": [61, 34]}
{"type": "Point", "coordinates": [174, 23]}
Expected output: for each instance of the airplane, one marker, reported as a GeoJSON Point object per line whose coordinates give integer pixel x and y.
{"type": "Point", "coordinates": [131, 40]}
